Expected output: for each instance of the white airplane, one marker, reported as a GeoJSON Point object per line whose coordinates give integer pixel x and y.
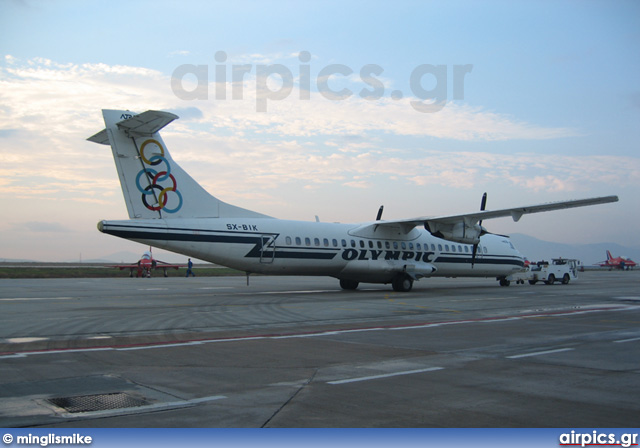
{"type": "Point", "coordinates": [170, 210]}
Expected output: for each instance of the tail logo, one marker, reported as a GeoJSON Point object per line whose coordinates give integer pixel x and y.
{"type": "Point", "coordinates": [159, 181]}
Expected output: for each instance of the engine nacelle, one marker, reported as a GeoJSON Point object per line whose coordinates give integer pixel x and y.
{"type": "Point", "coordinates": [459, 232]}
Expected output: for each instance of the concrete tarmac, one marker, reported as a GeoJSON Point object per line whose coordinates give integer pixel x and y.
{"type": "Point", "coordinates": [300, 352]}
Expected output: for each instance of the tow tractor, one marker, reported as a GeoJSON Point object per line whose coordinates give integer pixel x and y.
{"type": "Point", "coordinates": [559, 270]}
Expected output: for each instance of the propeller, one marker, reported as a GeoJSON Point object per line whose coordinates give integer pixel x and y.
{"type": "Point", "coordinates": [379, 217]}
{"type": "Point", "coordinates": [483, 204]}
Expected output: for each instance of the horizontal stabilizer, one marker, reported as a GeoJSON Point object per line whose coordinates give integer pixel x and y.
{"type": "Point", "coordinates": [147, 123]}
{"type": "Point", "coordinates": [101, 137]}
{"type": "Point", "coordinates": [142, 125]}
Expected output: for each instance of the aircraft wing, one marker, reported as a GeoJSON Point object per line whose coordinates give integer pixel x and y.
{"type": "Point", "coordinates": [465, 228]}
{"type": "Point", "coordinates": [123, 266]}
{"type": "Point", "coordinates": [158, 265]}
{"type": "Point", "coordinates": [163, 265]}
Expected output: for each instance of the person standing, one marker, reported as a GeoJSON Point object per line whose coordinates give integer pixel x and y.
{"type": "Point", "coordinates": [189, 268]}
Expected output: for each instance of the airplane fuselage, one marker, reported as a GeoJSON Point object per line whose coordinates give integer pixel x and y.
{"type": "Point", "coordinates": [358, 252]}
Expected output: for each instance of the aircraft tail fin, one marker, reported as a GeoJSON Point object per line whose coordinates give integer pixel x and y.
{"type": "Point", "coordinates": [153, 184]}
{"type": "Point", "coordinates": [609, 256]}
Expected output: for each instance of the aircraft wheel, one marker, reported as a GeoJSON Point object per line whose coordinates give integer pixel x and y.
{"type": "Point", "coordinates": [551, 280]}
{"type": "Point", "coordinates": [533, 282]}
{"type": "Point", "coordinates": [565, 279]}
{"type": "Point", "coordinates": [349, 284]}
{"type": "Point", "coordinates": [402, 283]}
{"type": "Point", "coordinates": [504, 282]}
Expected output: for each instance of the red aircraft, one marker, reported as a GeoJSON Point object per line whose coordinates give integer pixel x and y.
{"type": "Point", "coordinates": [146, 264]}
{"type": "Point", "coordinates": [617, 263]}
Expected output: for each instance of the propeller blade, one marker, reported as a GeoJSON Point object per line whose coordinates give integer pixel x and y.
{"type": "Point", "coordinates": [483, 205]}
{"type": "Point", "coordinates": [380, 213]}
{"type": "Point", "coordinates": [473, 255]}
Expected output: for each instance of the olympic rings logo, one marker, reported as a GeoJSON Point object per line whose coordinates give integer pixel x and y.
{"type": "Point", "coordinates": [158, 181]}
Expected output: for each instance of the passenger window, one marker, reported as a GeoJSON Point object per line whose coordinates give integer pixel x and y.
{"type": "Point", "coordinates": [288, 241]}
{"type": "Point", "coordinates": [453, 248]}
{"type": "Point", "coordinates": [307, 241]}
{"type": "Point", "coordinates": [353, 243]}
{"type": "Point", "coordinates": [316, 241]}
{"type": "Point", "coordinates": [370, 244]}
{"type": "Point", "coordinates": [433, 247]}
{"type": "Point", "coordinates": [362, 244]}
{"type": "Point", "coordinates": [298, 241]}
{"type": "Point", "coordinates": [419, 246]}
{"type": "Point", "coordinates": [440, 247]}
{"type": "Point", "coordinates": [395, 244]}
{"type": "Point", "coordinates": [446, 247]}
{"type": "Point", "coordinates": [484, 249]}
{"type": "Point", "coordinates": [335, 242]}
{"type": "Point", "coordinates": [459, 248]}
{"type": "Point", "coordinates": [404, 246]}
{"type": "Point", "coordinates": [387, 245]}
{"type": "Point", "coordinates": [344, 243]}
{"type": "Point", "coordinates": [466, 249]}
{"type": "Point", "coordinates": [326, 242]}
{"type": "Point", "coordinates": [379, 244]}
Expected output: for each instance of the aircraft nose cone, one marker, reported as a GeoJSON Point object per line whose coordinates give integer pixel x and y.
{"type": "Point", "coordinates": [101, 226]}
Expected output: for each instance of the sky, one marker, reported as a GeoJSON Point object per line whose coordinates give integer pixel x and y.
{"type": "Point", "coordinates": [327, 108]}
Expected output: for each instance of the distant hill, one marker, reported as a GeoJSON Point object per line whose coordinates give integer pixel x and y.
{"type": "Point", "coordinates": [125, 257]}
{"type": "Point", "coordinates": [536, 250]}
{"type": "Point", "coordinates": [117, 257]}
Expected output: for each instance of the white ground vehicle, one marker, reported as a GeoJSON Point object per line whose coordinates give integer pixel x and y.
{"type": "Point", "coordinates": [559, 270]}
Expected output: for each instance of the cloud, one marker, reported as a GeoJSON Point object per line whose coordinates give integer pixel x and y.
{"type": "Point", "coordinates": [50, 108]}
{"type": "Point", "coordinates": [289, 161]}
{"type": "Point", "coordinates": [187, 113]}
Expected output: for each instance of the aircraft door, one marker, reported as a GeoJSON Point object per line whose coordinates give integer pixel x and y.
{"type": "Point", "coordinates": [267, 248]}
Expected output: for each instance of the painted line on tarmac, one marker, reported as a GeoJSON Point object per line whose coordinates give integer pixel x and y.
{"type": "Point", "coordinates": [25, 299]}
{"type": "Point", "coordinates": [544, 352]}
{"type": "Point", "coordinates": [425, 325]}
{"type": "Point", "coordinates": [386, 375]}
{"type": "Point", "coordinates": [622, 341]}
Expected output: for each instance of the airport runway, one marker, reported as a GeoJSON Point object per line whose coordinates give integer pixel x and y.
{"type": "Point", "coordinates": [300, 352]}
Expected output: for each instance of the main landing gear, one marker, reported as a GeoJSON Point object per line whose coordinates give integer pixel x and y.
{"type": "Point", "coordinates": [401, 283]}
{"type": "Point", "coordinates": [349, 284]}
